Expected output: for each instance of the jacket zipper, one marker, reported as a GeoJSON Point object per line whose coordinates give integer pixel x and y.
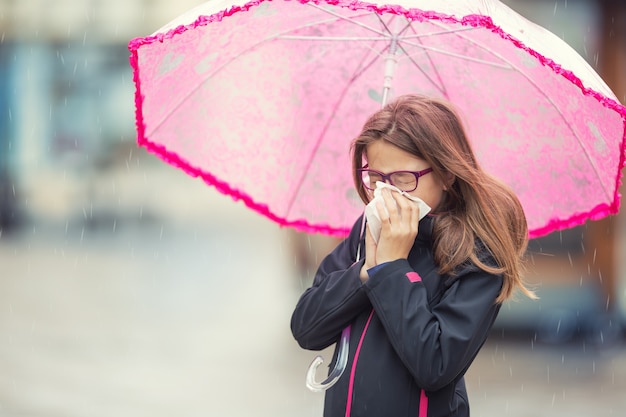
{"type": "Point", "coordinates": [423, 411]}
{"type": "Point", "coordinates": [353, 370]}
{"type": "Point", "coordinates": [423, 407]}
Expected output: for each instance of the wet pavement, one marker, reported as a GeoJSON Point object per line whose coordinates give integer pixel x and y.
{"type": "Point", "coordinates": [178, 315]}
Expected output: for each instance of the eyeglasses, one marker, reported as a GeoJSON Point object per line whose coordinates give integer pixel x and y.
{"type": "Point", "coordinates": [404, 180]}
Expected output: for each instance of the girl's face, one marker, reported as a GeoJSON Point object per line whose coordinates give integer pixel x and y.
{"type": "Point", "coordinates": [386, 158]}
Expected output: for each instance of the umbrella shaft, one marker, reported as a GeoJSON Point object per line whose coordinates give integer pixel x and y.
{"type": "Point", "coordinates": [391, 61]}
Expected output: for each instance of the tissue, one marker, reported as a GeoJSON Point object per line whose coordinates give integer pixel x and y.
{"type": "Point", "coordinates": [372, 214]}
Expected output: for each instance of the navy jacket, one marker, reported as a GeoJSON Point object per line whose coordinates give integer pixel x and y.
{"type": "Point", "coordinates": [414, 332]}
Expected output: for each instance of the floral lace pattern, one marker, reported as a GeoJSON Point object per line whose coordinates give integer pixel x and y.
{"type": "Point", "coordinates": [262, 100]}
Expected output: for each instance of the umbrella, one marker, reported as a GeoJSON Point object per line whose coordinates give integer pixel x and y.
{"type": "Point", "coordinates": [261, 100]}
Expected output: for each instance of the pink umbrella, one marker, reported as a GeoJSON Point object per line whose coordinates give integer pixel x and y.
{"type": "Point", "coordinates": [262, 99]}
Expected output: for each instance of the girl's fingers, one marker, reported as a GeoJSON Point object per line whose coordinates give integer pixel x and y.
{"type": "Point", "coordinates": [383, 212]}
{"type": "Point", "coordinates": [370, 246]}
{"type": "Point", "coordinates": [401, 208]}
{"type": "Point", "coordinates": [398, 213]}
{"type": "Point", "coordinates": [415, 218]}
{"type": "Point", "coordinates": [399, 227]}
{"type": "Point", "coordinates": [410, 211]}
{"type": "Point", "coordinates": [388, 208]}
{"type": "Point", "coordinates": [370, 254]}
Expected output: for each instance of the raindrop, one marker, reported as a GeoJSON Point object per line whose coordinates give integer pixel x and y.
{"type": "Point", "coordinates": [595, 252]}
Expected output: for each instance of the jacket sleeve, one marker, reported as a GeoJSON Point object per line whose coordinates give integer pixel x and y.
{"type": "Point", "coordinates": [436, 343]}
{"type": "Point", "coordinates": [336, 297]}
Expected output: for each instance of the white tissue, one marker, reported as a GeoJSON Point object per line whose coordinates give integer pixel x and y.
{"type": "Point", "coordinates": [372, 214]}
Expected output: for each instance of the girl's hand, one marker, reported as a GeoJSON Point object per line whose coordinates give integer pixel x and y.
{"type": "Point", "coordinates": [399, 227]}
{"type": "Point", "coordinates": [370, 254]}
{"type": "Point", "coordinates": [398, 232]}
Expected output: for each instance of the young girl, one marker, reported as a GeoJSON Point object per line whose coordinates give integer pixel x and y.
{"type": "Point", "coordinates": [422, 300]}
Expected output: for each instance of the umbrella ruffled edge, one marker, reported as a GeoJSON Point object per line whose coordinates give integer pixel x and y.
{"type": "Point", "coordinates": [174, 159]}
{"type": "Point", "coordinates": [475, 20]}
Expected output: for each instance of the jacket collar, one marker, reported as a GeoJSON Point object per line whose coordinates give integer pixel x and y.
{"type": "Point", "coordinates": [425, 231]}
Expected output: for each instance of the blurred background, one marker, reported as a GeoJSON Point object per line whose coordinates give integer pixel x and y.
{"type": "Point", "coordinates": [123, 285]}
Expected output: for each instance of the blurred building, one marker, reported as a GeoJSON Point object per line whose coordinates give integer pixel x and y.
{"type": "Point", "coordinates": [579, 272]}
{"type": "Point", "coordinates": [67, 98]}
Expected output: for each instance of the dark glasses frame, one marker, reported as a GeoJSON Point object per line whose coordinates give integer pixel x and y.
{"type": "Point", "coordinates": [387, 177]}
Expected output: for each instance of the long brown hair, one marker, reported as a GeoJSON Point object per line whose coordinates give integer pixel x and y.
{"type": "Point", "coordinates": [476, 207]}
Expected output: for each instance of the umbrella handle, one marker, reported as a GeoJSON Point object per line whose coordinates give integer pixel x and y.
{"type": "Point", "coordinates": [335, 374]}
{"type": "Point", "coordinates": [342, 349]}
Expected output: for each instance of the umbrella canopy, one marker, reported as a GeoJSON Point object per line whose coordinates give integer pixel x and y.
{"type": "Point", "coordinates": [262, 99]}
